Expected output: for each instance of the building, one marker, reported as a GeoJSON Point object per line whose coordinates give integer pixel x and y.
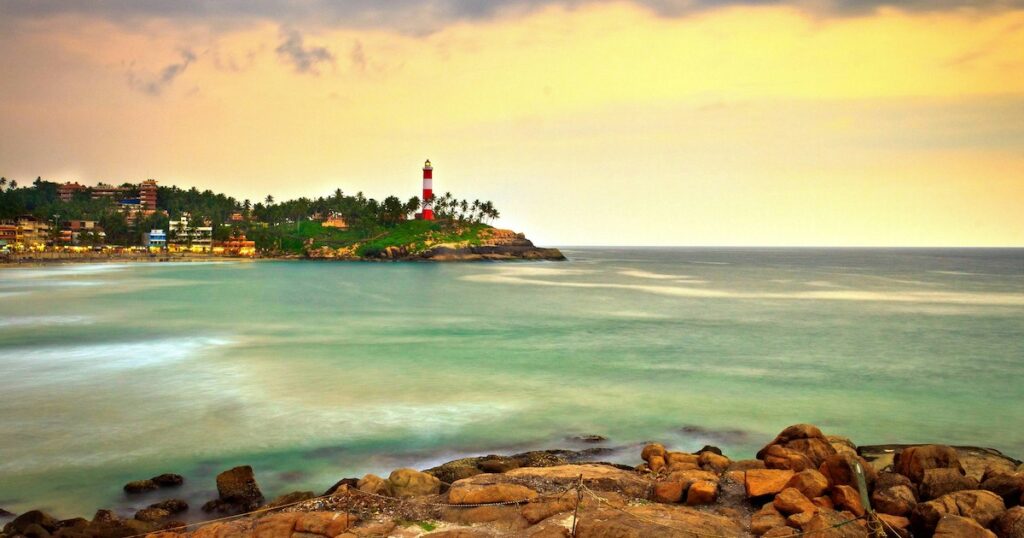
{"type": "Point", "coordinates": [155, 239]}
{"type": "Point", "coordinates": [182, 236]}
{"type": "Point", "coordinates": [31, 233]}
{"type": "Point", "coordinates": [102, 190]}
{"type": "Point", "coordinates": [335, 220]}
{"type": "Point", "coordinates": [132, 208]}
{"type": "Point", "coordinates": [9, 233]}
{"type": "Point", "coordinates": [237, 216]}
{"type": "Point", "coordinates": [147, 195]}
{"type": "Point", "coordinates": [76, 232]}
{"type": "Point", "coordinates": [236, 246]}
{"type": "Point", "coordinates": [428, 191]}
{"type": "Point", "coordinates": [67, 191]}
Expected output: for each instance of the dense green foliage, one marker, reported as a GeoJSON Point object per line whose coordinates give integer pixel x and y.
{"type": "Point", "coordinates": [288, 226]}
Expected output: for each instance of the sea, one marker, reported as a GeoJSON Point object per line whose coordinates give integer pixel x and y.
{"type": "Point", "coordinates": [316, 371]}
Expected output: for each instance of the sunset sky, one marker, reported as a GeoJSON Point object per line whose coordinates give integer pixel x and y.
{"type": "Point", "coordinates": [658, 122]}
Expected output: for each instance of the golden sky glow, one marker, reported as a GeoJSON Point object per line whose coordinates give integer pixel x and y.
{"type": "Point", "coordinates": [602, 124]}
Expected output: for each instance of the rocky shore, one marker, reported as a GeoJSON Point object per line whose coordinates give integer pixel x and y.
{"type": "Point", "coordinates": [802, 483]}
{"type": "Point", "coordinates": [493, 244]}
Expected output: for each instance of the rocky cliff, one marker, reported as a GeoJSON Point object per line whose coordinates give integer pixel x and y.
{"type": "Point", "coordinates": [488, 244]}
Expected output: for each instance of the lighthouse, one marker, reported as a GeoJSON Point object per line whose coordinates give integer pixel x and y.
{"type": "Point", "coordinates": [428, 191]}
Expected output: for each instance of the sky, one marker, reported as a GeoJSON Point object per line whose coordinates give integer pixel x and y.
{"type": "Point", "coordinates": [643, 122]}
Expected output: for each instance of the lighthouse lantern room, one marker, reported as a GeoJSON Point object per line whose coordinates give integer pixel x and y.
{"type": "Point", "coordinates": [428, 191]}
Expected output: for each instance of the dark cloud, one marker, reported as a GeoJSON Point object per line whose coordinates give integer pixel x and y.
{"type": "Point", "coordinates": [419, 15]}
{"type": "Point", "coordinates": [304, 59]}
{"type": "Point", "coordinates": [155, 85]}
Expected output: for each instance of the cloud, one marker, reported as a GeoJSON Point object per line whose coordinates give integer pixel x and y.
{"type": "Point", "coordinates": [155, 85]}
{"type": "Point", "coordinates": [418, 16]}
{"type": "Point", "coordinates": [303, 59]}
{"type": "Point", "coordinates": [358, 56]}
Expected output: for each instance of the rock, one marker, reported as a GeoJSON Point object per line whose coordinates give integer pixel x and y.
{"type": "Point", "coordinates": [842, 445]}
{"type": "Point", "coordinates": [799, 519]}
{"type": "Point", "coordinates": [847, 498]}
{"type": "Point", "coordinates": [538, 511]}
{"type": "Point", "coordinates": [669, 492]}
{"type": "Point", "coordinates": [656, 463]}
{"type": "Point", "coordinates": [674, 458]}
{"type": "Point", "coordinates": [597, 477]}
{"type": "Point", "coordinates": [407, 483]}
{"type": "Point", "coordinates": [324, 523]}
{"type": "Point", "coordinates": [938, 482]}
{"type": "Point", "coordinates": [173, 506]}
{"type": "Point", "coordinates": [455, 470]}
{"type": "Point", "coordinates": [590, 438]}
{"type": "Point", "coordinates": [497, 464]}
{"type": "Point", "coordinates": [824, 502]}
{"type": "Point", "coordinates": [352, 483]}
{"type": "Point", "coordinates": [766, 482]}
{"type": "Point", "coordinates": [467, 492]}
{"type": "Point", "coordinates": [810, 482]}
{"type": "Point", "coordinates": [1009, 486]}
{"type": "Point", "coordinates": [690, 476]}
{"type": "Point", "coordinates": [780, 532]}
{"type": "Point", "coordinates": [825, 524]}
{"type": "Point", "coordinates": [238, 486]}
{"type": "Point", "coordinates": [780, 457]}
{"type": "Point", "coordinates": [653, 520]}
{"type": "Point", "coordinates": [979, 505]}
{"type": "Point", "coordinates": [886, 480]}
{"type": "Point", "coordinates": [140, 486]}
{"type": "Point", "coordinates": [951, 526]}
{"type": "Point", "coordinates": [5, 513]}
{"type": "Point", "coordinates": [374, 485]}
{"type": "Point", "coordinates": [894, 500]}
{"type": "Point", "coordinates": [1010, 524]}
{"type": "Point", "coordinates": [702, 492]}
{"type": "Point", "coordinates": [768, 517]}
{"type": "Point", "coordinates": [168, 480]}
{"type": "Point", "coordinates": [839, 470]}
{"type": "Point", "coordinates": [20, 524]}
{"type": "Point", "coordinates": [746, 465]}
{"type": "Point", "coordinates": [653, 449]}
{"type": "Point", "coordinates": [290, 498]}
{"type": "Point", "coordinates": [805, 439]}
{"type": "Point", "coordinates": [152, 515]}
{"type": "Point", "coordinates": [791, 501]}
{"type": "Point", "coordinates": [713, 462]}
{"type": "Point", "coordinates": [896, 522]}
{"type": "Point", "coordinates": [913, 461]}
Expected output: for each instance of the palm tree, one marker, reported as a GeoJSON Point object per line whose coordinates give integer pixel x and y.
{"type": "Point", "coordinates": [14, 184]}
{"type": "Point", "coordinates": [3, 182]}
{"type": "Point", "coordinates": [247, 205]}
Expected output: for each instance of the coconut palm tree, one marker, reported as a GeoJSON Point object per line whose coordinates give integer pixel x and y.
{"type": "Point", "coordinates": [269, 199]}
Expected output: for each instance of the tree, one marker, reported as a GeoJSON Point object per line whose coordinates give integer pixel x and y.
{"type": "Point", "coordinates": [270, 200]}
{"type": "Point", "coordinates": [14, 184]}
{"type": "Point", "coordinates": [3, 183]}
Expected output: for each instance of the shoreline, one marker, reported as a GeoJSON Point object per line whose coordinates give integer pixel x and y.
{"type": "Point", "coordinates": [700, 490]}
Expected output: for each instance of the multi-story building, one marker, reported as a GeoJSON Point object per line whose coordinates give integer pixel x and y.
{"type": "Point", "coordinates": [76, 232]}
{"type": "Point", "coordinates": [147, 195]}
{"type": "Point", "coordinates": [32, 233]}
{"type": "Point", "coordinates": [102, 190]}
{"type": "Point", "coordinates": [9, 234]}
{"type": "Point", "coordinates": [236, 246]}
{"type": "Point", "coordinates": [335, 220]}
{"type": "Point", "coordinates": [155, 239]}
{"type": "Point", "coordinates": [67, 191]}
{"type": "Point", "coordinates": [182, 236]}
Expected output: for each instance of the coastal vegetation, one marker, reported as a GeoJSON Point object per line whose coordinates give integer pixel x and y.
{"type": "Point", "coordinates": [287, 227]}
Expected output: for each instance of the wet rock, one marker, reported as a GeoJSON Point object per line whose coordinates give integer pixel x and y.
{"type": "Point", "coordinates": [810, 482]}
{"type": "Point", "coordinates": [951, 526]}
{"type": "Point", "coordinates": [1010, 524]}
{"type": "Point", "coordinates": [291, 498]}
{"type": "Point", "coordinates": [710, 448]}
{"type": "Point", "coordinates": [152, 515]}
{"type": "Point", "coordinates": [766, 482]}
{"type": "Point", "coordinates": [5, 513]}
{"type": "Point", "coordinates": [938, 482]}
{"type": "Point", "coordinates": [168, 480]}
{"type": "Point", "coordinates": [497, 464]}
{"type": "Point", "coordinates": [591, 438]}
{"type": "Point", "coordinates": [352, 483]}
{"type": "Point", "coordinates": [913, 461]}
{"type": "Point", "coordinates": [407, 483]}
{"type": "Point", "coordinates": [979, 505]}
{"type": "Point", "coordinates": [791, 501]}
{"type": "Point", "coordinates": [452, 471]}
{"type": "Point", "coordinates": [238, 486]}
{"type": "Point", "coordinates": [896, 500]}
{"type": "Point", "coordinates": [140, 486]}
{"type": "Point", "coordinates": [805, 439]}
{"type": "Point", "coordinates": [20, 524]}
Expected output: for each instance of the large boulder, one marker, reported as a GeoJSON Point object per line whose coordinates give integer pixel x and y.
{"type": "Point", "coordinates": [766, 481]}
{"type": "Point", "coordinates": [1010, 524]}
{"type": "Point", "coordinates": [412, 483]}
{"type": "Point", "coordinates": [173, 506]}
{"type": "Point", "coordinates": [374, 485]}
{"type": "Point", "coordinates": [896, 500]}
{"type": "Point", "coordinates": [979, 505]}
{"type": "Point", "coordinates": [913, 461]}
{"type": "Point", "coordinates": [780, 457]}
{"type": "Point", "coordinates": [809, 482]}
{"type": "Point", "coordinates": [951, 526]}
{"type": "Point", "coordinates": [791, 501]}
{"type": "Point", "coordinates": [654, 520]}
{"type": "Point", "coordinates": [140, 486]}
{"type": "Point", "coordinates": [832, 524]}
{"type": "Point", "coordinates": [1009, 486]}
{"type": "Point", "coordinates": [702, 492]}
{"type": "Point", "coordinates": [805, 439]}
{"type": "Point", "coordinates": [31, 518]}
{"type": "Point", "coordinates": [238, 485]}
{"type": "Point", "coordinates": [938, 482]}
{"type": "Point", "coordinates": [839, 470]}
{"type": "Point", "coordinates": [595, 476]}
{"type": "Point", "coordinates": [480, 490]}
{"type": "Point", "coordinates": [765, 519]}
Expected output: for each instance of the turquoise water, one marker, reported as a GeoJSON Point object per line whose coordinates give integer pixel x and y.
{"type": "Point", "coordinates": [312, 372]}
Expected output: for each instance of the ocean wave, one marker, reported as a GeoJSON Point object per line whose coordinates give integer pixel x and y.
{"type": "Point", "coordinates": [992, 299]}
{"type": "Point", "coordinates": [639, 273]}
{"type": "Point", "coordinates": [43, 321]}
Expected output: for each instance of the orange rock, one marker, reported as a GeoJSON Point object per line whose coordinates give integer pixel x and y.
{"type": "Point", "coordinates": [823, 502]}
{"type": "Point", "coordinates": [689, 476]}
{"type": "Point", "coordinates": [656, 463]}
{"type": "Point", "coordinates": [791, 501]}
{"type": "Point", "coordinates": [805, 439]}
{"type": "Point", "coordinates": [913, 461]}
{"type": "Point", "coordinates": [681, 457]}
{"type": "Point", "coordinates": [810, 482]}
{"type": "Point", "coordinates": [780, 457]}
{"type": "Point", "coordinates": [896, 500]}
{"type": "Point", "coordinates": [839, 470]}
{"type": "Point", "coordinates": [276, 525]}
{"type": "Point", "coordinates": [713, 462]}
{"type": "Point", "coordinates": [766, 518]}
{"type": "Point", "coordinates": [539, 511]}
{"type": "Point", "coordinates": [681, 466]}
{"type": "Point", "coordinates": [800, 519]}
{"type": "Point", "coordinates": [951, 526]}
{"type": "Point", "coordinates": [462, 492]}
{"type": "Point", "coordinates": [653, 449]}
{"type": "Point", "coordinates": [897, 522]}
{"type": "Point", "coordinates": [847, 498]}
{"type": "Point", "coordinates": [702, 492]}
{"type": "Point", "coordinates": [669, 492]}
{"type": "Point", "coordinates": [766, 482]}
{"type": "Point", "coordinates": [780, 532]}
{"type": "Point", "coordinates": [324, 523]}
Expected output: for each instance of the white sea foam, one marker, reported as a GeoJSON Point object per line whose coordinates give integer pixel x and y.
{"type": "Point", "coordinates": [994, 299]}
{"type": "Point", "coordinates": [639, 273]}
{"type": "Point", "coordinates": [824, 284]}
{"type": "Point", "coordinates": [42, 321]}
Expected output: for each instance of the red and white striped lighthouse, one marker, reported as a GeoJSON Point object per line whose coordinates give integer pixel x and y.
{"type": "Point", "coordinates": [428, 191]}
